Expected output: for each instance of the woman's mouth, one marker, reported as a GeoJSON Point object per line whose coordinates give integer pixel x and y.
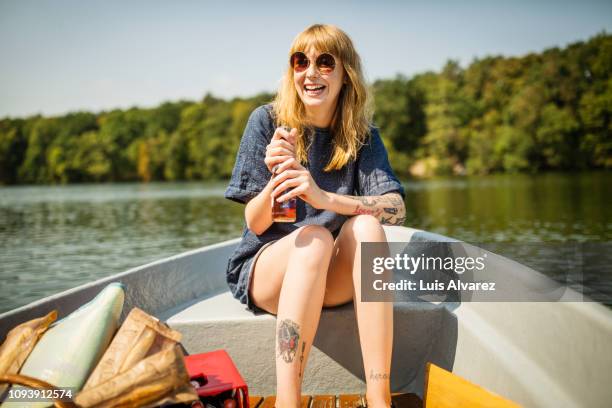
{"type": "Point", "coordinates": [314, 89]}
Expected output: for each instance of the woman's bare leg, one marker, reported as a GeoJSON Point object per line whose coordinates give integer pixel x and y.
{"type": "Point", "coordinates": [374, 319]}
{"type": "Point", "coordinates": [289, 280]}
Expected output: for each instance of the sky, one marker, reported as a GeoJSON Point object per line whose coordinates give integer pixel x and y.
{"type": "Point", "coordinates": [60, 56]}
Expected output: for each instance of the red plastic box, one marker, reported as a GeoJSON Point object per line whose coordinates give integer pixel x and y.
{"type": "Point", "coordinates": [216, 373]}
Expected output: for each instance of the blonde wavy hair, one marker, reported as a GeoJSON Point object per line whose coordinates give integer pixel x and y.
{"type": "Point", "coordinates": [351, 121]}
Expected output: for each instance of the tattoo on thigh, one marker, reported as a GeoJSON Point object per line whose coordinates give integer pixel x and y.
{"type": "Point", "coordinates": [288, 339]}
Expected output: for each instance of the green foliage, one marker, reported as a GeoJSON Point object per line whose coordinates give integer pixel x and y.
{"type": "Point", "coordinates": [547, 111]}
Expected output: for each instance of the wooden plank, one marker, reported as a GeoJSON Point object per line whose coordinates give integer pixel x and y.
{"type": "Point", "coordinates": [405, 400]}
{"type": "Point", "coordinates": [323, 401]}
{"type": "Point", "coordinates": [400, 400]}
{"type": "Point", "coordinates": [268, 402]}
{"type": "Point", "coordinates": [444, 389]}
{"type": "Point", "coordinates": [350, 401]}
{"type": "Point", "coordinates": [254, 401]}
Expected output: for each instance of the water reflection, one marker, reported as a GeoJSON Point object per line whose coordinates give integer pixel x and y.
{"type": "Point", "coordinates": [511, 208]}
{"type": "Point", "coordinates": [54, 238]}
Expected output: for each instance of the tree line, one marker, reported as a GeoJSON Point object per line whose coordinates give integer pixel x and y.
{"type": "Point", "coordinates": [542, 111]}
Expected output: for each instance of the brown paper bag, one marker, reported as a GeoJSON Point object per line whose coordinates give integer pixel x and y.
{"type": "Point", "coordinates": [140, 336]}
{"type": "Point", "coordinates": [158, 379]}
{"type": "Point", "coordinates": [19, 343]}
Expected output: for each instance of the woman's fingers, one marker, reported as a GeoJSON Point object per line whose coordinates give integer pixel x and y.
{"type": "Point", "coordinates": [291, 136]}
{"type": "Point", "coordinates": [291, 163]}
{"type": "Point", "coordinates": [288, 183]}
{"type": "Point", "coordinates": [272, 161]}
{"type": "Point", "coordinates": [280, 177]}
{"type": "Point", "coordinates": [280, 143]}
{"type": "Point", "coordinates": [279, 151]}
{"type": "Point", "coordinates": [299, 190]}
{"type": "Point", "coordinates": [282, 133]}
{"type": "Point", "coordinates": [283, 187]}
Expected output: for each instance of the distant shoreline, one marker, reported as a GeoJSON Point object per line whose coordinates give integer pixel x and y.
{"type": "Point", "coordinates": [411, 179]}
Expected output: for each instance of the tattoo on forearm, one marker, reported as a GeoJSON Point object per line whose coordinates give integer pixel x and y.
{"type": "Point", "coordinates": [362, 210]}
{"type": "Point", "coordinates": [288, 339]}
{"type": "Point", "coordinates": [378, 206]}
{"type": "Point", "coordinates": [394, 199]}
{"type": "Point", "coordinates": [367, 201]}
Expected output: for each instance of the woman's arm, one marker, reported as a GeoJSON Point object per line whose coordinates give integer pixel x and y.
{"type": "Point", "coordinates": [388, 208]}
{"type": "Point", "coordinates": [258, 211]}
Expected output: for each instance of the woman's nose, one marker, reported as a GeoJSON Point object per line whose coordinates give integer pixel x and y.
{"type": "Point", "coordinates": [312, 71]}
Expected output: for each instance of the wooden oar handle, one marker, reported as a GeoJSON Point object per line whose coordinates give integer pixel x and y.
{"type": "Point", "coordinates": [35, 383]}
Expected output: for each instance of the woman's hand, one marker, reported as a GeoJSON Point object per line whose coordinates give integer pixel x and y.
{"type": "Point", "coordinates": [291, 174]}
{"type": "Point", "coordinates": [281, 147]}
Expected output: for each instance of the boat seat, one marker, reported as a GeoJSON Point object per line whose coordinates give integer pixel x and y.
{"type": "Point", "coordinates": [219, 321]}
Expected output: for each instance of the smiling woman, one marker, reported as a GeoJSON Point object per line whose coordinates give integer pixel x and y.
{"type": "Point", "coordinates": [318, 92]}
{"type": "Point", "coordinates": [318, 137]}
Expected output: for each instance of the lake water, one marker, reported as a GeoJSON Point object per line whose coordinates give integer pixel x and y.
{"type": "Point", "coordinates": [56, 237]}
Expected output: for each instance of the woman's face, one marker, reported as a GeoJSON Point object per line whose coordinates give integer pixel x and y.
{"type": "Point", "coordinates": [319, 92]}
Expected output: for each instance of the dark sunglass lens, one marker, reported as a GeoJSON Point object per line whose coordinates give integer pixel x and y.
{"type": "Point", "coordinates": [299, 62]}
{"type": "Point", "coordinates": [326, 63]}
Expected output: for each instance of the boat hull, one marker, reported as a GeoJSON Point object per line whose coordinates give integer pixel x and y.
{"type": "Point", "coordinates": [555, 354]}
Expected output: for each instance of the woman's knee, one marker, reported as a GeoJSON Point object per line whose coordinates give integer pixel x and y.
{"type": "Point", "coordinates": [365, 227]}
{"type": "Point", "coordinates": [314, 236]}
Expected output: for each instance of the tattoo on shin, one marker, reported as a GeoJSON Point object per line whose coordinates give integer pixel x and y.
{"type": "Point", "coordinates": [288, 339]}
{"type": "Point", "coordinates": [302, 359]}
{"type": "Point", "coordinates": [378, 376]}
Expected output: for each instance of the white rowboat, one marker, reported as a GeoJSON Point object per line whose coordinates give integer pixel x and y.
{"type": "Point", "coordinates": [539, 354]}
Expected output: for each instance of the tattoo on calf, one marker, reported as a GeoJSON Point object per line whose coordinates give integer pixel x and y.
{"type": "Point", "coordinates": [288, 339]}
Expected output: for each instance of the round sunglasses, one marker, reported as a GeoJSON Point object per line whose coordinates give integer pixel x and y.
{"type": "Point", "coordinates": [325, 62]}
